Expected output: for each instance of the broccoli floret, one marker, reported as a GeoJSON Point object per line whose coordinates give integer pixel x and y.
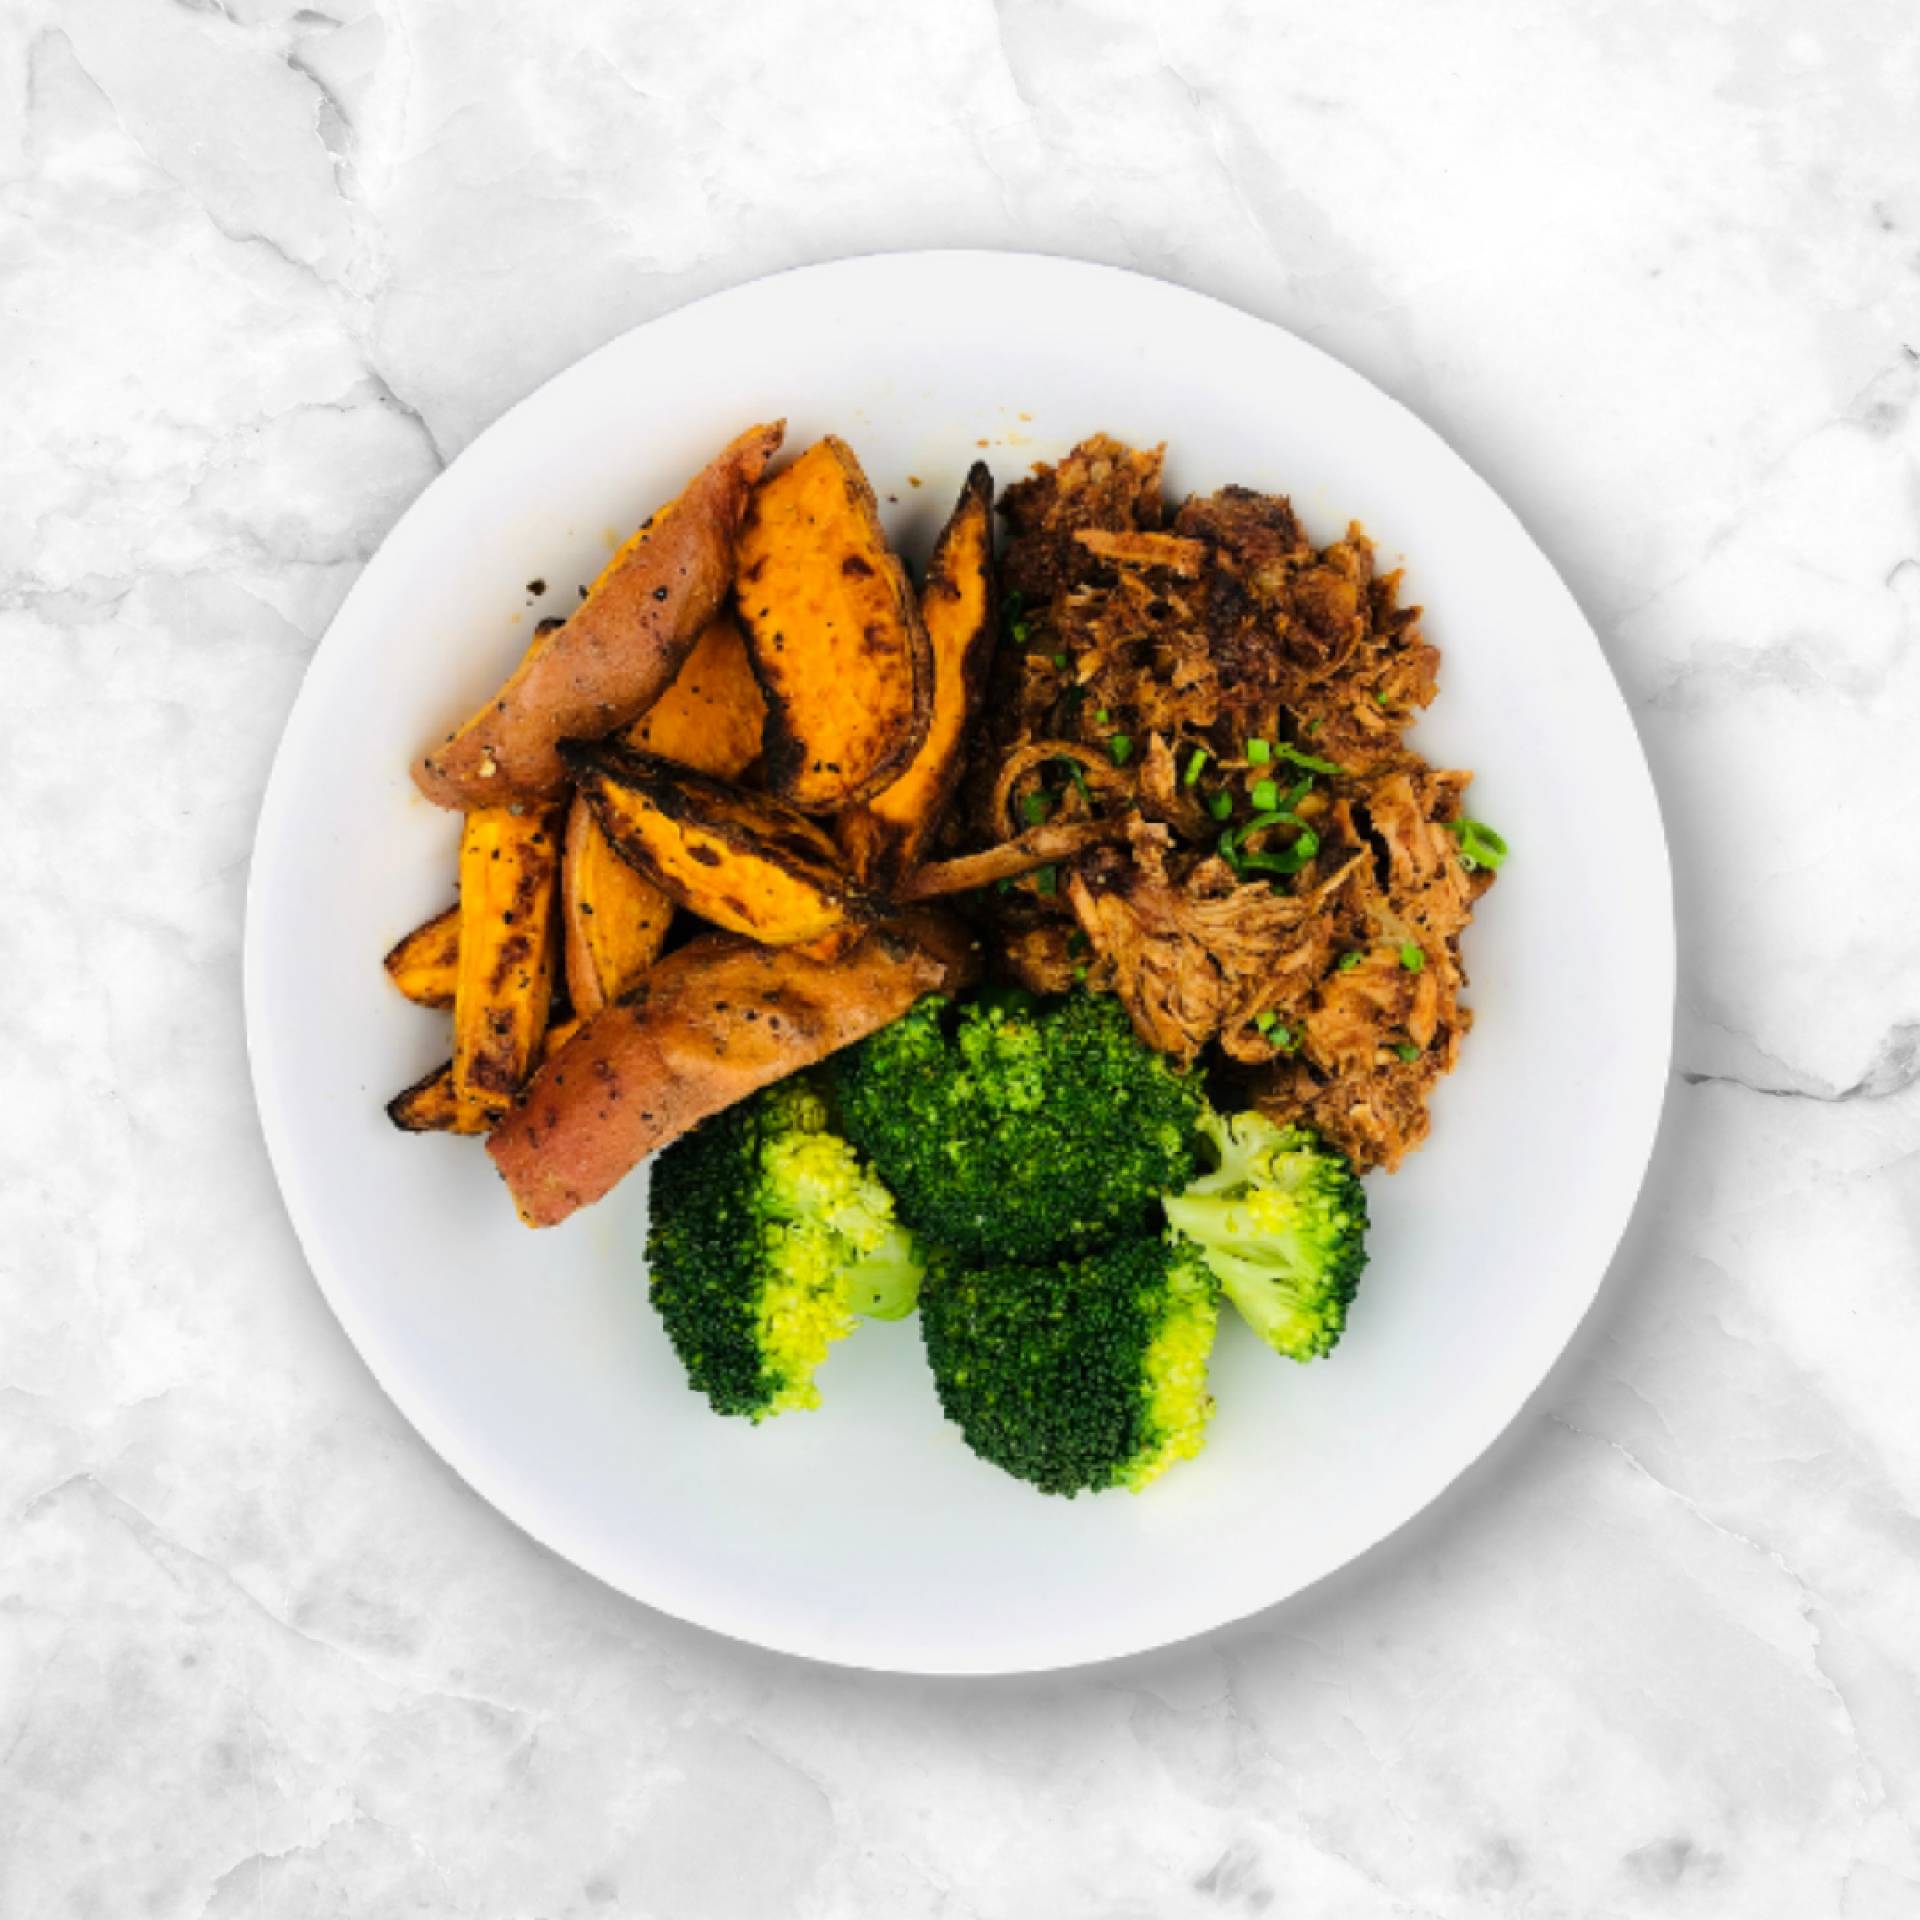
{"type": "Point", "coordinates": [1283, 1222]}
{"type": "Point", "coordinates": [1019, 1129]}
{"type": "Point", "coordinates": [1078, 1375]}
{"type": "Point", "coordinates": [768, 1238]}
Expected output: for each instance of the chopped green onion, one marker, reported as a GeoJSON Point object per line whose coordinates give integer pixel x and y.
{"type": "Point", "coordinates": [1004, 884]}
{"type": "Point", "coordinates": [1120, 745]}
{"type": "Point", "coordinates": [1034, 808]}
{"type": "Point", "coordinates": [1313, 727]}
{"type": "Point", "coordinates": [1019, 632]}
{"type": "Point", "coordinates": [1101, 715]}
{"type": "Point", "coordinates": [1407, 1051]}
{"type": "Point", "coordinates": [1220, 804]}
{"type": "Point", "coordinates": [1306, 845]}
{"type": "Point", "coordinates": [1379, 699]}
{"type": "Point", "coordinates": [1060, 662]}
{"type": "Point", "coordinates": [1277, 1035]}
{"type": "Point", "coordinates": [1046, 879]}
{"type": "Point", "coordinates": [1266, 795]}
{"type": "Point", "coordinates": [1078, 778]}
{"type": "Point", "coordinates": [1196, 760]}
{"type": "Point", "coordinates": [1079, 974]}
{"type": "Point", "coordinates": [1480, 846]}
{"type": "Point", "coordinates": [1306, 760]}
{"type": "Point", "coordinates": [1411, 957]}
{"type": "Point", "coordinates": [1271, 817]}
{"type": "Point", "coordinates": [1259, 752]}
{"type": "Point", "coordinates": [1348, 961]}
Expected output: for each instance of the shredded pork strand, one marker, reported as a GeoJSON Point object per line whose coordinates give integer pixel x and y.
{"type": "Point", "coordinates": [1043, 847]}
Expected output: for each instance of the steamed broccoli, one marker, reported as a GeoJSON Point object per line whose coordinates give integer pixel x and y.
{"type": "Point", "coordinates": [1085, 1374]}
{"type": "Point", "coordinates": [1020, 1129]}
{"type": "Point", "coordinates": [768, 1237]}
{"type": "Point", "coordinates": [1283, 1222]}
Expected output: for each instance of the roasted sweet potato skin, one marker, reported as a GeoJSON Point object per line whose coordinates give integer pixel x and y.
{"type": "Point", "coordinates": [714, 1022]}
{"type": "Point", "coordinates": [422, 963]}
{"type": "Point", "coordinates": [509, 868]}
{"type": "Point", "coordinates": [606, 665]}
{"type": "Point", "coordinates": [887, 838]}
{"type": "Point", "coordinates": [713, 715]}
{"type": "Point", "coordinates": [615, 918]}
{"type": "Point", "coordinates": [833, 632]}
{"type": "Point", "coordinates": [738, 859]}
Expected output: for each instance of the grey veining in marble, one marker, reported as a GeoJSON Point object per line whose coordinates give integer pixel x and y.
{"type": "Point", "coordinates": [1654, 268]}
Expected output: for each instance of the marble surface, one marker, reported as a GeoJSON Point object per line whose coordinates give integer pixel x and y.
{"type": "Point", "coordinates": [1655, 268]}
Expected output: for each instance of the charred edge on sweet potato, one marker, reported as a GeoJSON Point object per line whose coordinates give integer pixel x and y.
{"type": "Point", "coordinates": [430, 1105]}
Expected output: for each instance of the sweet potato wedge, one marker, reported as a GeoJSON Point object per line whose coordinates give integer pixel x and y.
{"type": "Point", "coordinates": [615, 918]}
{"type": "Point", "coordinates": [712, 717]}
{"type": "Point", "coordinates": [422, 962]}
{"type": "Point", "coordinates": [885, 839]}
{"type": "Point", "coordinates": [833, 632]}
{"type": "Point", "coordinates": [739, 859]}
{"type": "Point", "coordinates": [714, 1022]}
{"type": "Point", "coordinates": [509, 866]}
{"type": "Point", "coordinates": [606, 665]}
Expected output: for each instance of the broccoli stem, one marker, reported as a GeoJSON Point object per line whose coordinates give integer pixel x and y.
{"type": "Point", "coordinates": [886, 1284]}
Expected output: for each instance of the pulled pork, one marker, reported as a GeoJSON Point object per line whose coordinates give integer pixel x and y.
{"type": "Point", "coordinates": [1278, 889]}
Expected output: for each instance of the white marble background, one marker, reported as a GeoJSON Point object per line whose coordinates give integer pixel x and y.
{"type": "Point", "coordinates": [1653, 265]}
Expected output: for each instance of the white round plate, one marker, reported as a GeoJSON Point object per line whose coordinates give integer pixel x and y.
{"type": "Point", "coordinates": [865, 1533]}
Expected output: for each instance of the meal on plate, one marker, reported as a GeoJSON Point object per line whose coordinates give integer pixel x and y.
{"type": "Point", "coordinates": [1048, 950]}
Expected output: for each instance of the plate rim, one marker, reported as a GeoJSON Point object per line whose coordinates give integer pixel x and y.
{"type": "Point", "coordinates": [1648, 1081]}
